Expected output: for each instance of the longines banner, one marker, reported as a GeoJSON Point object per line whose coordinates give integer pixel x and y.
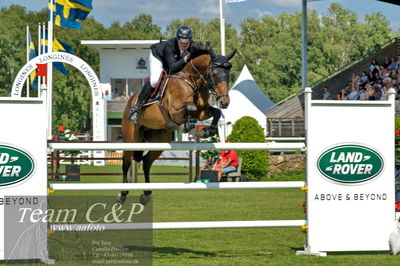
{"type": "Point", "coordinates": [98, 104]}
{"type": "Point", "coordinates": [67, 58]}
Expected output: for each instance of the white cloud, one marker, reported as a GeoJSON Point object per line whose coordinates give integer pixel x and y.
{"type": "Point", "coordinates": [208, 7]}
{"type": "Point", "coordinates": [162, 12]}
{"type": "Point", "coordinates": [395, 25]}
{"type": "Point", "coordinates": [279, 3]}
{"type": "Point", "coordinates": [257, 13]}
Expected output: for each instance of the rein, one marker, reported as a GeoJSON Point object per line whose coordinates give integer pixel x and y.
{"type": "Point", "coordinates": [209, 82]}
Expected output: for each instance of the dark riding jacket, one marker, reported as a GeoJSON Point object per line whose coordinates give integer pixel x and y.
{"type": "Point", "coordinates": [169, 54]}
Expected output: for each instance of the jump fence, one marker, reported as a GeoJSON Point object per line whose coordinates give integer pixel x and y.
{"type": "Point", "coordinates": [349, 172]}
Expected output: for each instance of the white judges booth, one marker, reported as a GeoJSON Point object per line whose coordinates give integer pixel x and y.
{"type": "Point", "coordinates": [123, 68]}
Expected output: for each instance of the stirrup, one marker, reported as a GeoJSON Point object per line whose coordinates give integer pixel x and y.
{"type": "Point", "coordinates": [133, 116]}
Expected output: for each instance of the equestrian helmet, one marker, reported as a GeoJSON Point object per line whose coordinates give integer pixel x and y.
{"type": "Point", "coordinates": [184, 34]}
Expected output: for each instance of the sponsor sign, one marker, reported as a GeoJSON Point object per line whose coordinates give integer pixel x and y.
{"type": "Point", "coordinates": [350, 163]}
{"type": "Point", "coordinates": [16, 165]}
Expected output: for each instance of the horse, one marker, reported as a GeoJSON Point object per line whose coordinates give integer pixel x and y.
{"type": "Point", "coordinates": [183, 103]}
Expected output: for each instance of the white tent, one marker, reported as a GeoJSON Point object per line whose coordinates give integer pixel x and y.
{"type": "Point", "coordinates": [246, 99]}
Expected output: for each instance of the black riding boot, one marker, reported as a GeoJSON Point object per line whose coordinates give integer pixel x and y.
{"type": "Point", "coordinates": [142, 96]}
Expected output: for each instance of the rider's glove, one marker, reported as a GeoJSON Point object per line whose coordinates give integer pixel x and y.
{"type": "Point", "coordinates": [186, 56]}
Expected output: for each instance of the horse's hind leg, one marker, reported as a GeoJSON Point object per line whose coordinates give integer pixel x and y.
{"type": "Point", "coordinates": [150, 157]}
{"type": "Point", "coordinates": [148, 160]}
{"type": "Point", "coordinates": [126, 165]}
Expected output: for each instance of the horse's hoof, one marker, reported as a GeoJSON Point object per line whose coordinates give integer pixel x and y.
{"type": "Point", "coordinates": [144, 199]}
{"type": "Point", "coordinates": [121, 198]}
{"type": "Point", "coordinates": [185, 128]}
{"type": "Point", "coordinates": [206, 132]}
{"type": "Point", "coordinates": [203, 134]}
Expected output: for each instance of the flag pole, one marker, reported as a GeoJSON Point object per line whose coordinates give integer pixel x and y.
{"type": "Point", "coordinates": [28, 44]}
{"type": "Point", "coordinates": [222, 23]}
{"type": "Point", "coordinates": [39, 79]}
{"type": "Point", "coordinates": [50, 73]}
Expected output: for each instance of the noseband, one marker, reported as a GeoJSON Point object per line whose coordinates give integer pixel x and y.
{"type": "Point", "coordinates": [223, 75]}
{"type": "Point", "coordinates": [210, 80]}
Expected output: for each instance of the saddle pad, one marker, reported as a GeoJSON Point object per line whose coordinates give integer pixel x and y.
{"type": "Point", "coordinates": [158, 93]}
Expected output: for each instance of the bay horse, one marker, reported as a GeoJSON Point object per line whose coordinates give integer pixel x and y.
{"type": "Point", "coordinates": [184, 102]}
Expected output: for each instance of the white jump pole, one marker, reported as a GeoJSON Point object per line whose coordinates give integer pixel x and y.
{"type": "Point", "coordinates": [176, 146]}
{"type": "Point", "coordinates": [180, 225]}
{"type": "Point", "coordinates": [178, 186]}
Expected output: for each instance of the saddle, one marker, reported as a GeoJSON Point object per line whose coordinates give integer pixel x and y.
{"type": "Point", "coordinates": [156, 96]}
{"type": "Point", "coordinates": [158, 91]}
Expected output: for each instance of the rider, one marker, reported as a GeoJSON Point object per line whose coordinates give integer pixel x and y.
{"type": "Point", "coordinates": [171, 55]}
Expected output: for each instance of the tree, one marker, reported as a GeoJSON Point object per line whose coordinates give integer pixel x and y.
{"type": "Point", "coordinates": [270, 46]}
{"type": "Point", "coordinates": [255, 163]}
{"type": "Point", "coordinates": [210, 32]}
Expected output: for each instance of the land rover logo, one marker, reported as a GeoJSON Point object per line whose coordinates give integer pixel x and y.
{"type": "Point", "coordinates": [350, 163]}
{"type": "Point", "coordinates": [15, 165]}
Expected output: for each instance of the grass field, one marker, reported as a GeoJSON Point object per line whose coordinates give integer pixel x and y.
{"type": "Point", "coordinates": [264, 246]}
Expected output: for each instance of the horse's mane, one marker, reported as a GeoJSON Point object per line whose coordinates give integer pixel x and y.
{"type": "Point", "coordinates": [201, 62]}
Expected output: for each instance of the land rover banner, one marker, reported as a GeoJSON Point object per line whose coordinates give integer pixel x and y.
{"type": "Point", "coordinates": [23, 177]}
{"type": "Point", "coordinates": [350, 169]}
{"type": "Point", "coordinates": [350, 163]}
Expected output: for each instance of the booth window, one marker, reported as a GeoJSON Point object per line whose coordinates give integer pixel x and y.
{"type": "Point", "coordinates": [130, 86]}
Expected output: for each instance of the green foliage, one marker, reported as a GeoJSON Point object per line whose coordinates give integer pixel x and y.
{"type": "Point", "coordinates": [210, 154]}
{"type": "Point", "coordinates": [270, 47]}
{"type": "Point", "coordinates": [397, 138]}
{"type": "Point", "coordinates": [255, 163]}
{"type": "Point", "coordinates": [210, 32]}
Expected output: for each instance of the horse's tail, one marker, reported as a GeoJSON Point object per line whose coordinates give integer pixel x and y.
{"type": "Point", "coordinates": [138, 156]}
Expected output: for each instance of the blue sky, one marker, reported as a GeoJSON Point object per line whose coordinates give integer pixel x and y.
{"type": "Point", "coordinates": [164, 11]}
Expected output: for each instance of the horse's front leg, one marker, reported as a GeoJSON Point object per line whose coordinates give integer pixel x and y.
{"type": "Point", "coordinates": [208, 112]}
{"type": "Point", "coordinates": [148, 160]}
{"type": "Point", "coordinates": [190, 122]}
{"type": "Point", "coordinates": [150, 157]}
{"type": "Point", "coordinates": [130, 134]}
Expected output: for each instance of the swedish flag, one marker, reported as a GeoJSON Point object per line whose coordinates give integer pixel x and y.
{"type": "Point", "coordinates": [58, 46]}
{"type": "Point", "coordinates": [68, 13]}
{"type": "Point", "coordinates": [32, 54]}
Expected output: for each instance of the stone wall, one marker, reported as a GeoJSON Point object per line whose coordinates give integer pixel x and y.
{"type": "Point", "coordinates": [285, 162]}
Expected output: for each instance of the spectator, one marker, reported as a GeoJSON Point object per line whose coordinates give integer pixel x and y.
{"type": "Point", "coordinates": [376, 78]}
{"type": "Point", "coordinates": [387, 81]}
{"type": "Point", "coordinates": [86, 136]}
{"type": "Point", "coordinates": [386, 64]}
{"type": "Point", "coordinates": [374, 67]}
{"type": "Point", "coordinates": [371, 93]}
{"type": "Point", "coordinates": [364, 78]}
{"type": "Point", "coordinates": [378, 92]}
{"type": "Point", "coordinates": [393, 64]}
{"type": "Point", "coordinates": [123, 97]}
{"type": "Point", "coordinates": [370, 76]}
{"type": "Point", "coordinates": [339, 95]}
{"type": "Point", "coordinates": [385, 95]}
{"type": "Point", "coordinates": [353, 94]}
{"type": "Point", "coordinates": [107, 96]}
{"type": "Point", "coordinates": [327, 95]}
{"type": "Point", "coordinates": [354, 79]}
{"type": "Point", "coordinates": [363, 96]}
{"type": "Point", "coordinates": [228, 163]}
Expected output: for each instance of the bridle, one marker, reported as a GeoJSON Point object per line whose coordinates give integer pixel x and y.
{"type": "Point", "coordinates": [223, 70]}
{"type": "Point", "coordinates": [210, 80]}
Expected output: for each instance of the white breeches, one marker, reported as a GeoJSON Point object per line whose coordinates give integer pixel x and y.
{"type": "Point", "coordinates": [156, 69]}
